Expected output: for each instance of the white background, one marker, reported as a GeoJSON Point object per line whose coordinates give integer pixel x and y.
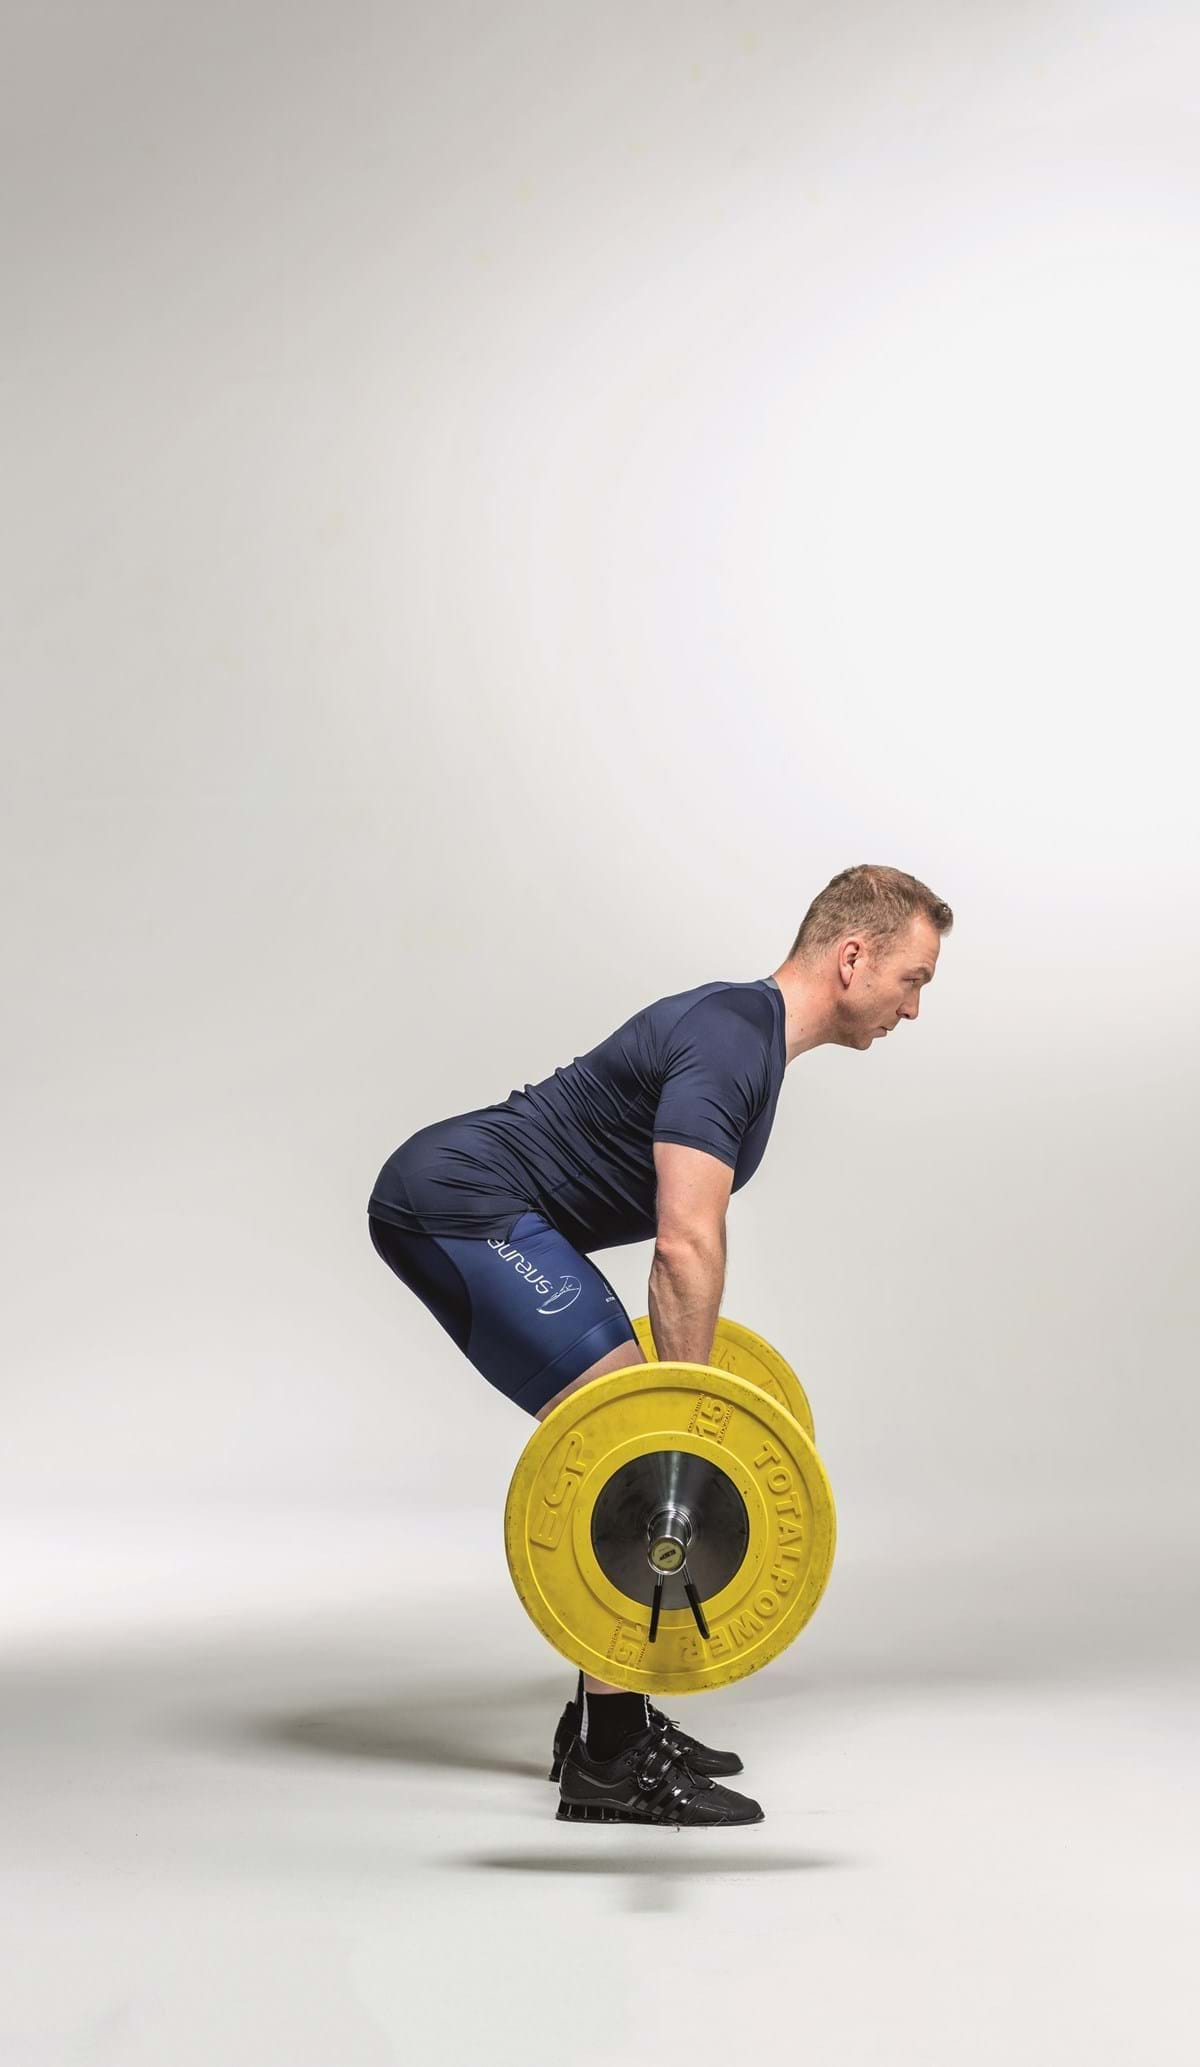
{"type": "Point", "coordinates": [501, 504]}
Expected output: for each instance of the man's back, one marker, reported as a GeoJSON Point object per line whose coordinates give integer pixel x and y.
{"type": "Point", "coordinates": [702, 1067]}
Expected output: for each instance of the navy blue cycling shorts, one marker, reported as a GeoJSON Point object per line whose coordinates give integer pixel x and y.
{"type": "Point", "coordinates": [529, 1312]}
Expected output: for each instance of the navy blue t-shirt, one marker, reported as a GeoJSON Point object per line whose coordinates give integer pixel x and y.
{"type": "Point", "coordinates": [703, 1067]}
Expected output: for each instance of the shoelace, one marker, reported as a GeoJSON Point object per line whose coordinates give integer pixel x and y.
{"type": "Point", "coordinates": [671, 1733]}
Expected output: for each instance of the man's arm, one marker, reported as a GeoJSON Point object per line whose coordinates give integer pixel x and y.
{"type": "Point", "coordinates": [687, 1276]}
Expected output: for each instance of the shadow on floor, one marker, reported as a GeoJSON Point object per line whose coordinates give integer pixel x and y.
{"type": "Point", "coordinates": [484, 1731]}
{"type": "Point", "coordinates": [706, 1860]}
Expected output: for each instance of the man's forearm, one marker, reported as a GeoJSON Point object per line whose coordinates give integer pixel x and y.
{"type": "Point", "coordinates": [686, 1283]}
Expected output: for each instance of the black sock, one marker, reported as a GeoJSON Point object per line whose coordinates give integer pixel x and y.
{"type": "Point", "coordinates": [611, 1721]}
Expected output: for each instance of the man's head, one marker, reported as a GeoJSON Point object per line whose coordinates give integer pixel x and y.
{"type": "Point", "coordinates": [866, 949]}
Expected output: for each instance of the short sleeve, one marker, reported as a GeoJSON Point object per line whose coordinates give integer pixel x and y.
{"type": "Point", "coordinates": [713, 1080]}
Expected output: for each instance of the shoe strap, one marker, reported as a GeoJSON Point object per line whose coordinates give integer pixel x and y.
{"type": "Point", "coordinates": [662, 1775]}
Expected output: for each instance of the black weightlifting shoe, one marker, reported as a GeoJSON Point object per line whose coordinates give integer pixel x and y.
{"type": "Point", "coordinates": [646, 1782]}
{"type": "Point", "coordinates": [711, 1764]}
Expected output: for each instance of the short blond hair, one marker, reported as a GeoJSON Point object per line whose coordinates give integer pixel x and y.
{"type": "Point", "coordinates": [875, 902]}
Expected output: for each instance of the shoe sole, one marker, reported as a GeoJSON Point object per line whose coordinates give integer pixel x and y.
{"type": "Point", "coordinates": [605, 1812]}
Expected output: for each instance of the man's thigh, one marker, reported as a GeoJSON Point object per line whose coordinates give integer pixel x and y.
{"type": "Point", "coordinates": [530, 1312]}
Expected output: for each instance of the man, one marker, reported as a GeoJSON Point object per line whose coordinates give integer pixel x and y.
{"type": "Point", "coordinates": [490, 1217]}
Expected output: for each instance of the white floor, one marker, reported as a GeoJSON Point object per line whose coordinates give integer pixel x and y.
{"type": "Point", "coordinates": [267, 1804]}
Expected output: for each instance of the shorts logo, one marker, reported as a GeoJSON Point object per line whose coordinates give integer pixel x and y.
{"type": "Point", "coordinates": [558, 1300]}
{"type": "Point", "coordinates": [566, 1295]}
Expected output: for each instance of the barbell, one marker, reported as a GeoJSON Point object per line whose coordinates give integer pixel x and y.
{"type": "Point", "coordinates": [670, 1526]}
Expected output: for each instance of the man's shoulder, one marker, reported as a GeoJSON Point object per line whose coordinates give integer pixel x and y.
{"type": "Point", "coordinates": [719, 1009]}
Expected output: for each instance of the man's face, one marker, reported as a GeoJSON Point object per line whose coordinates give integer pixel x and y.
{"type": "Point", "coordinates": [880, 994]}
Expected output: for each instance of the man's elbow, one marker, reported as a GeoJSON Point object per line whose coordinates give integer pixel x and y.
{"type": "Point", "coordinates": [681, 1244]}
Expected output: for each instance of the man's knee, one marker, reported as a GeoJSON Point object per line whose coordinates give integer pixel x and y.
{"type": "Point", "coordinates": [616, 1359]}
